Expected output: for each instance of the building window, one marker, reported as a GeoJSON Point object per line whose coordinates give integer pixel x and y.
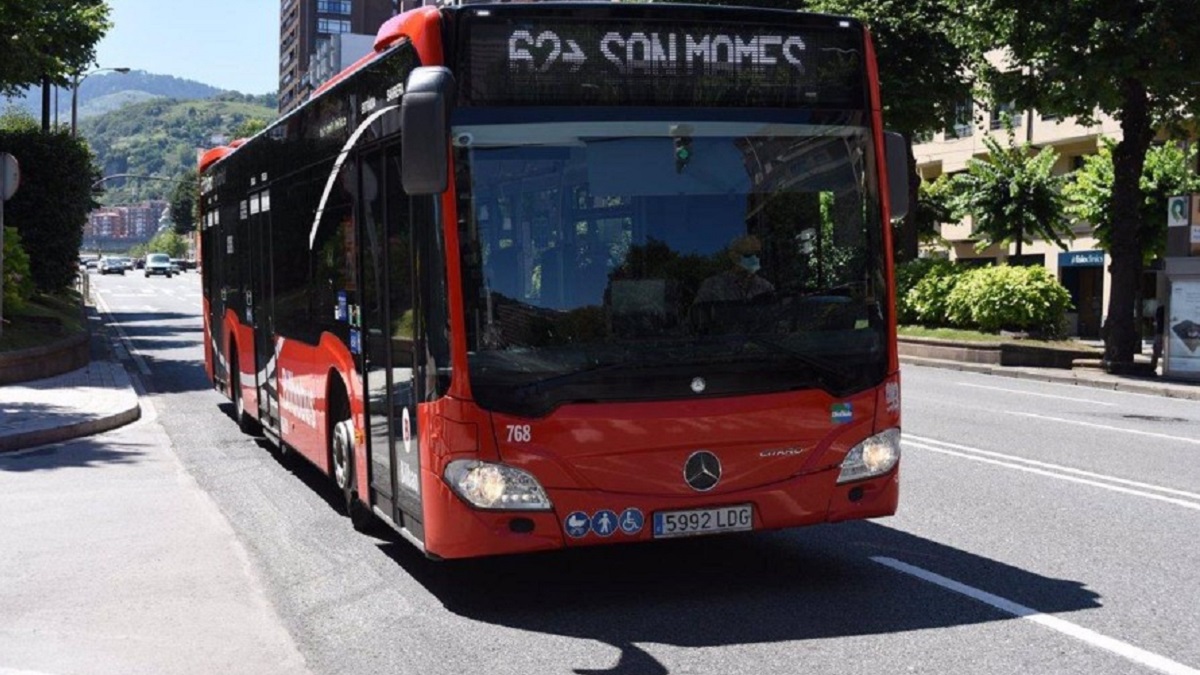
{"type": "Point", "coordinates": [1000, 111]}
{"type": "Point", "coordinates": [334, 7]}
{"type": "Point", "coordinates": [333, 26]}
{"type": "Point", "coordinates": [964, 114]}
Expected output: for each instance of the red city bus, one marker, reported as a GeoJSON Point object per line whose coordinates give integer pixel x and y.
{"type": "Point", "coordinates": [543, 275]}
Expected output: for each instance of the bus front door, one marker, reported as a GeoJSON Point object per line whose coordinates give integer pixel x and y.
{"type": "Point", "coordinates": [388, 345]}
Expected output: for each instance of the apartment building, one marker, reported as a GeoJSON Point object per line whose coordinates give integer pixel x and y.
{"type": "Point", "coordinates": [1083, 268]}
{"type": "Point", "coordinates": [306, 27]}
{"type": "Point", "coordinates": [126, 223]}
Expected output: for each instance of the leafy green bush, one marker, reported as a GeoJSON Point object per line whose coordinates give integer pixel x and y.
{"type": "Point", "coordinates": [52, 205]}
{"type": "Point", "coordinates": [18, 285]}
{"type": "Point", "coordinates": [908, 274]}
{"type": "Point", "coordinates": [1012, 298]}
{"type": "Point", "coordinates": [925, 301]}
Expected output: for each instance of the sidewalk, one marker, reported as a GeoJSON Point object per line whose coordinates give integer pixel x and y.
{"type": "Point", "coordinates": [113, 560]}
{"type": "Point", "coordinates": [87, 401]}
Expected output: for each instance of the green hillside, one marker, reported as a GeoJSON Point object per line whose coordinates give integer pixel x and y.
{"type": "Point", "coordinates": [160, 137]}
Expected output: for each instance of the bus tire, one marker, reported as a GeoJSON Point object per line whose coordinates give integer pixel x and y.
{"type": "Point", "coordinates": [342, 451]}
{"type": "Point", "coordinates": [246, 423]}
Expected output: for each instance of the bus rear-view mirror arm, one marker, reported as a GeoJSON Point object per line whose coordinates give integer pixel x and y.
{"type": "Point", "coordinates": [425, 121]}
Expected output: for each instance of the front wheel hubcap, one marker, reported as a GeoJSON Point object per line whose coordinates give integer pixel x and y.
{"type": "Point", "coordinates": [341, 455]}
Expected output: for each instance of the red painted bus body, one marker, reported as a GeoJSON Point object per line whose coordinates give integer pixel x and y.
{"type": "Point", "coordinates": [530, 355]}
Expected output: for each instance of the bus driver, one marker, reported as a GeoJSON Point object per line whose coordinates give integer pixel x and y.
{"type": "Point", "coordinates": [740, 282]}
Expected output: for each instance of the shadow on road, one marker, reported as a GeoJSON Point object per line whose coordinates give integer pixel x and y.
{"type": "Point", "coordinates": [79, 453]}
{"type": "Point", "coordinates": [154, 335]}
{"type": "Point", "coordinates": [804, 584]}
{"type": "Point", "coordinates": [769, 587]}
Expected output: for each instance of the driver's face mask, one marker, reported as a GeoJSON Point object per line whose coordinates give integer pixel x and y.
{"type": "Point", "coordinates": [750, 263]}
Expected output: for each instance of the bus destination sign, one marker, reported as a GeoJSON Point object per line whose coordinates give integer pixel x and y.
{"type": "Point", "coordinates": [566, 61]}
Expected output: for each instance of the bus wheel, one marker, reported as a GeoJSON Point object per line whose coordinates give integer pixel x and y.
{"type": "Point", "coordinates": [343, 474]}
{"type": "Point", "coordinates": [247, 424]}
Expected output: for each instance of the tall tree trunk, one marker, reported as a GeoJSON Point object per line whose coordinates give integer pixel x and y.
{"type": "Point", "coordinates": [1121, 339]}
{"type": "Point", "coordinates": [45, 103]}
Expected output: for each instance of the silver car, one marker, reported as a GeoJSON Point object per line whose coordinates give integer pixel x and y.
{"type": "Point", "coordinates": [158, 263]}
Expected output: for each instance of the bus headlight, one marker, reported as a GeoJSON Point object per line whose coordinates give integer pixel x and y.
{"type": "Point", "coordinates": [496, 486]}
{"type": "Point", "coordinates": [873, 457]}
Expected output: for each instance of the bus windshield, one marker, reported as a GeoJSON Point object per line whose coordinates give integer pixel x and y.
{"type": "Point", "coordinates": [619, 261]}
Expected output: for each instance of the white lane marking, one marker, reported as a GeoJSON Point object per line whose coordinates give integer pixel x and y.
{"type": "Point", "coordinates": [1194, 505]}
{"type": "Point", "coordinates": [1031, 393]}
{"type": "Point", "coordinates": [1182, 439]}
{"type": "Point", "coordinates": [137, 358]}
{"type": "Point", "coordinates": [1054, 467]}
{"type": "Point", "coordinates": [1091, 637]}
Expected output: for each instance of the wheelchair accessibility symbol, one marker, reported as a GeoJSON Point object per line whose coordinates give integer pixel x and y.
{"type": "Point", "coordinates": [631, 521]}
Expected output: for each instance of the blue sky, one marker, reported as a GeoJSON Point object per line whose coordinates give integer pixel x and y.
{"type": "Point", "coordinates": [230, 44]}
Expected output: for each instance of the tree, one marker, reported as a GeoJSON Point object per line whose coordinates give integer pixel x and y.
{"type": "Point", "coordinates": [934, 208]}
{"type": "Point", "coordinates": [922, 52]}
{"type": "Point", "coordinates": [1134, 61]}
{"type": "Point", "coordinates": [250, 126]}
{"type": "Point", "coordinates": [48, 38]}
{"type": "Point", "coordinates": [52, 206]}
{"type": "Point", "coordinates": [183, 200]}
{"type": "Point", "coordinates": [170, 243]}
{"type": "Point", "coordinates": [1012, 196]}
{"type": "Point", "coordinates": [1090, 193]}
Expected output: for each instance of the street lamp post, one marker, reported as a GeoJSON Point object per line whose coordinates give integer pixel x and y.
{"type": "Point", "coordinates": [75, 91]}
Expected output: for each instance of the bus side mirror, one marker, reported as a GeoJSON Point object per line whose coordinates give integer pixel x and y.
{"type": "Point", "coordinates": [425, 125]}
{"type": "Point", "coordinates": [897, 167]}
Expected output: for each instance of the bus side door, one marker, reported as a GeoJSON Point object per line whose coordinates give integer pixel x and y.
{"type": "Point", "coordinates": [261, 282]}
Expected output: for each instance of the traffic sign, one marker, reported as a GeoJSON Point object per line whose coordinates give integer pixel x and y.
{"type": "Point", "coordinates": [10, 175]}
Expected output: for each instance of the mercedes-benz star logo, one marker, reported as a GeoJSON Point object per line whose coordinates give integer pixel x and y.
{"type": "Point", "coordinates": [702, 471]}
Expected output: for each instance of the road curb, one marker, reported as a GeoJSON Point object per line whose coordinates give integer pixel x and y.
{"type": "Point", "coordinates": [69, 432]}
{"type": "Point", "coordinates": [1071, 377]}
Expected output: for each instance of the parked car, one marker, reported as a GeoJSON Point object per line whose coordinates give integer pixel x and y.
{"type": "Point", "coordinates": [158, 263]}
{"type": "Point", "coordinates": [111, 265]}
{"type": "Point", "coordinates": [180, 264]}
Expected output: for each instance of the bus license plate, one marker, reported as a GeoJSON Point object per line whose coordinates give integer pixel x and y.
{"type": "Point", "coordinates": [703, 521]}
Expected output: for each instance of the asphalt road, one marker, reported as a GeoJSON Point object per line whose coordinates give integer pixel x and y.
{"type": "Point", "coordinates": [1043, 529]}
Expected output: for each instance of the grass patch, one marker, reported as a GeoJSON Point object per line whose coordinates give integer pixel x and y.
{"type": "Point", "coordinates": [44, 319]}
{"type": "Point", "coordinates": [963, 335]}
{"type": "Point", "coordinates": [959, 334]}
